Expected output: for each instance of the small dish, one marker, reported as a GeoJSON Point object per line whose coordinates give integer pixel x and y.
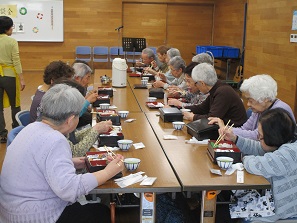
{"type": "Point", "coordinates": [123, 114]}
{"type": "Point", "coordinates": [151, 99]}
{"type": "Point", "coordinates": [224, 162]}
{"type": "Point", "coordinates": [104, 106]}
{"type": "Point", "coordinates": [125, 144]}
{"type": "Point", "coordinates": [131, 164]}
{"type": "Point", "coordinates": [178, 125]}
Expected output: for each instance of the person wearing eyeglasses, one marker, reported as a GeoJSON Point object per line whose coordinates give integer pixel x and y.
{"type": "Point", "coordinates": [260, 92]}
{"type": "Point", "coordinates": [222, 102]}
{"type": "Point", "coordinates": [191, 95]}
{"type": "Point", "coordinates": [177, 67]}
{"type": "Point", "coordinates": [272, 156]}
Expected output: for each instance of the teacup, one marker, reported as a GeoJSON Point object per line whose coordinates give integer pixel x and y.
{"type": "Point", "coordinates": [144, 82]}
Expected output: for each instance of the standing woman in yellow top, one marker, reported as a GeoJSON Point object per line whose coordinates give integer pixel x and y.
{"type": "Point", "coordinates": [11, 77]}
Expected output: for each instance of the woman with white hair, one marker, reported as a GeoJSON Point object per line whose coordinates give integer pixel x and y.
{"type": "Point", "coordinates": [38, 182]}
{"type": "Point", "coordinates": [177, 67]}
{"type": "Point", "coordinates": [222, 102]}
{"type": "Point", "coordinates": [260, 92]}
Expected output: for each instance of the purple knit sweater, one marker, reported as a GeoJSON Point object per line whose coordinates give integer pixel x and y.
{"type": "Point", "coordinates": [250, 128]}
{"type": "Point", "coordinates": [38, 178]}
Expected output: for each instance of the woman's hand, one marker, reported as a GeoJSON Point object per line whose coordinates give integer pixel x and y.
{"type": "Point", "coordinates": [79, 162]}
{"type": "Point", "coordinates": [102, 127]}
{"type": "Point", "coordinates": [154, 64]}
{"type": "Point", "coordinates": [158, 84]}
{"type": "Point", "coordinates": [22, 82]}
{"type": "Point", "coordinates": [229, 135]}
{"type": "Point", "coordinates": [175, 102]}
{"type": "Point", "coordinates": [188, 116]}
{"type": "Point", "coordinates": [114, 166]}
{"type": "Point", "coordinates": [92, 97]}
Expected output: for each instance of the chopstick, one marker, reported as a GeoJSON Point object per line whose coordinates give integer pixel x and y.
{"type": "Point", "coordinates": [113, 154]}
{"type": "Point", "coordinates": [223, 135]}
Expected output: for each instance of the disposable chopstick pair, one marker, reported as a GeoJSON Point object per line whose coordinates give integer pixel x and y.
{"type": "Point", "coordinates": [223, 135]}
{"type": "Point", "coordinates": [112, 154]}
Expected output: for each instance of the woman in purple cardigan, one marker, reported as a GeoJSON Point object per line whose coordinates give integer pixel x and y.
{"type": "Point", "coordinates": [38, 182]}
{"type": "Point", "coordinates": [260, 92]}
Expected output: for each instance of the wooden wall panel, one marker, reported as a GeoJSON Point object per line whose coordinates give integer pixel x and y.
{"type": "Point", "coordinates": [151, 26]}
{"type": "Point", "coordinates": [268, 49]}
{"type": "Point", "coordinates": [228, 30]}
{"type": "Point", "coordinates": [86, 22]}
{"type": "Point", "coordinates": [228, 25]}
{"type": "Point", "coordinates": [189, 26]}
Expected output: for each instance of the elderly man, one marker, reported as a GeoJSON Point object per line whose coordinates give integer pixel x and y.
{"type": "Point", "coordinates": [222, 102]}
{"type": "Point", "coordinates": [149, 58]}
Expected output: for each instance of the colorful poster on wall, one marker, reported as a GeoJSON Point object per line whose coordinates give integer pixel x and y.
{"type": "Point", "coordinates": [294, 23]}
{"type": "Point", "coordinates": [38, 21]}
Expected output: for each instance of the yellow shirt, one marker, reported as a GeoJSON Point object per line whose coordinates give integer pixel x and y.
{"type": "Point", "coordinates": [9, 56]}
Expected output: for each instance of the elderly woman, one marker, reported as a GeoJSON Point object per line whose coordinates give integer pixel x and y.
{"type": "Point", "coordinates": [203, 58]}
{"type": "Point", "coordinates": [82, 74]}
{"type": "Point", "coordinates": [260, 92]}
{"type": "Point", "coordinates": [192, 95]}
{"type": "Point", "coordinates": [38, 180]}
{"type": "Point", "coordinates": [52, 72]}
{"type": "Point", "coordinates": [273, 157]}
{"type": "Point", "coordinates": [177, 67]}
{"type": "Point", "coordinates": [162, 56]}
{"type": "Point", "coordinates": [222, 101]}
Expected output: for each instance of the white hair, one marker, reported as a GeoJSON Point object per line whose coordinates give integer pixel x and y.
{"type": "Point", "coordinates": [203, 58]}
{"type": "Point", "coordinates": [60, 102]}
{"type": "Point", "coordinates": [205, 72]}
{"type": "Point", "coordinates": [81, 69]}
{"type": "Point", "coordinates": [173, 52]}
{"type": "Point", "coordinates": [177, 63]}
{"type": "Point", "coordinates": [149, 52]}
{"type": "Point", "coordinates": [260, 87]}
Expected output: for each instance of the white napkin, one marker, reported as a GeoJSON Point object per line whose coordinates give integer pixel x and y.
{"type": "Point", "coordinates": [130, 179]}
{"type": "Point", "coordinates": [169, 137]}
{"type": "Point", "coordinates": [130, 120]}
{"type": "Point", "coordinates": [139, 145]}
{"type": "Point", "coordinates": [236, 166]}
{"type": "Point", "coordinates": [193, 140]}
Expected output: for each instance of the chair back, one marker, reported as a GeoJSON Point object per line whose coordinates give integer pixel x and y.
{"type": "Point", "coordinates": [23, 117]}
{"type": "Point", "coordinates": [100, 54]}
{"type": "Point", "coordinates": [113, 53]}
{"type": "Point", "coordinates": [12, 134]}
{"type": "Point", "coordinates": [83, 53]}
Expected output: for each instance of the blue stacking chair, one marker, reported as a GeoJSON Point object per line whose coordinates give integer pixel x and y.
{"type": "Point", "coordinates": [83, 53]}
{"type": "Point", "coordinates": [154, 49]}
{"type": "Point", "coordinates": [100, 54]}
{"type": "Point", "coordinates": [23, 117]}
{"type": "Point", "coordinates": [113, 53]}
{"type": "Point", "coordinates": [12, 134]}
{"type": "Point", "coordinates": [131, 57]}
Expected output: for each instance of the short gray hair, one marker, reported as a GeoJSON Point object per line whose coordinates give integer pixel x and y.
{"type": "Point", "coordinates": [173, 52]}
{"type": "Point", "coordinates": [81, 70]}
{"type": "Point", "coordinates": [260, 87]}
{"type": "Point", "coordinates": [177, 63]}
{"type": "Point", "coordinates": [206, 73]}
{"type": "Point", "coordinates": [149, 52]}
{"type": "Point", "coordinates": [203, 58]}
{"type": "Point", "coordinates": [60, 102]}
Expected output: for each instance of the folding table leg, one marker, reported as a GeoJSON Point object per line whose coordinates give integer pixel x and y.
{"type": "Point", "coordinates": [208, 206]}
